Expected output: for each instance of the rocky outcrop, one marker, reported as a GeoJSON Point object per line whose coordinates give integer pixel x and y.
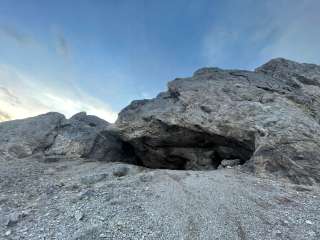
{"type": "Point", "coordinates": [54, 137]}
{"type": "Point", "coordinates": [22, 138]}
{"type": "Point", "coordinates": [267, 119]}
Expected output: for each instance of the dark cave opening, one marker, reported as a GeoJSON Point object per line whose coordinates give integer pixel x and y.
{"type": "Point", "coordinates": [179, 148]}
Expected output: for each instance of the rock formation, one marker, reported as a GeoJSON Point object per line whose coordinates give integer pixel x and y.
{"type": "Point", "coordinates": [70, 178]}
{"type": "Point", "coordinates": [269, 119]}
{"type": "Point", "coordinates": [266, 120]}
{"type": "Point", "coordinates": [53, 137]}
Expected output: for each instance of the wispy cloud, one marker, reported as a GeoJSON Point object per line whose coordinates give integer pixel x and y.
{"type": "Point", "coordinates": [5, 93]}
{"type": "Point", "coordinates": [26, 93]}
{"type": "Point", "coordinates": [16, 35]}
{"type": "Point", "coordinates": [22, 96]}
{"type": "Point", "coordinates": [62, 45]}
{"type": "Point", "coordinates": [4, 116]}
{"type": "Point", "coordinates": [25, 39]}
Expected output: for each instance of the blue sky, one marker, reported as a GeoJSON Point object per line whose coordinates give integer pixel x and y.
{"type": "Point", "coordinates": [98, 55]}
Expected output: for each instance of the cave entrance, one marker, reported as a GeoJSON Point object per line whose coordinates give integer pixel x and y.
{"type": "Point", "coordinates": [179, 148]}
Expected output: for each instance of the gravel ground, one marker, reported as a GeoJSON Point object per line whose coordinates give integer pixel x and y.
{"type": "Point", "coordinates": [81, 199]}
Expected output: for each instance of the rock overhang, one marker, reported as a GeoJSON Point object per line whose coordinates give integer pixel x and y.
{"type": "Point", "coordinates": [263, 109]}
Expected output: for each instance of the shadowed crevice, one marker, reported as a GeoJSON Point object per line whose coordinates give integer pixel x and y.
{"type": "Point", "coordinates": [180, 148]}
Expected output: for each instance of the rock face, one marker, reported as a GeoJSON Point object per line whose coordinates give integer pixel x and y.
{"type": "Point", "coordinates": [268, 119]}
{"type": "Point", "coordinates": [22, 138]}
{"type": "Point", "coordinates": [55, 137]}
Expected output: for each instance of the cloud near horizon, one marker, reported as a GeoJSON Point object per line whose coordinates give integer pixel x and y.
{"type": "Point", "coordinates": [22, 96]}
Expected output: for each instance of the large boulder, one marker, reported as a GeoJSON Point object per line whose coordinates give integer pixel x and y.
{"type": "Point", "coordinates": [22, 138]}
{"type": "Point", "coordinates": [268, 119]}
{"type": "Point", "coordinates": [54, 137]}
{"type": "Point", "coordinates": [90, 137]}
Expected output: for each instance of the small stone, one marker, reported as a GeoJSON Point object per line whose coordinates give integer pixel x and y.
{"type": "Point", "coordinates": [92, 179]}
{"type": "Point", "coordinates": [101, 218]}
{"type": "Point", "coordinates": [286, 222]}
{"type": "Point", "coordinates": [52, 158]}
{"type": "Point", "coordinates": [228, 163]}
{"type": "Point", "coordinates": [102, 235]}
{"type": "Point", "coordinates": [278, 232]}
{"type": "Point", "coordinates": [72, 187]}
{"type": "Point", "coordinates": [78, 215]}
{"type": "Point", "coordinates": [49, 171]}
{"type": "Point", "coordinates": [3, 200]}
{"type": "Point", "coordinates": [309, 222]}
{"type": "Point", "coordinates": [7, 233]}
{"type": "Point", "coordinates": [120, 171]}
{"type": "Point", "coordinates": [311, 233]}
{"type": "Point", "coordinates": [86, 194]}
{"type": "Point", "coordinates": [13, 219]}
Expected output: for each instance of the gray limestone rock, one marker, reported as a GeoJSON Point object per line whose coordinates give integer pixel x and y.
{"type": "Point", "coordinates": [230, 162]}
{"type": "Point", "coordinates": [55, 137]}
{"type": "Point", "coordinates": [22, 138]}
{"type": "Point", "coordinates": [269, 119]}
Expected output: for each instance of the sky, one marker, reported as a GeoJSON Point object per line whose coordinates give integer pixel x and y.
{"type": "Point", "coordinates": [99, 55]}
